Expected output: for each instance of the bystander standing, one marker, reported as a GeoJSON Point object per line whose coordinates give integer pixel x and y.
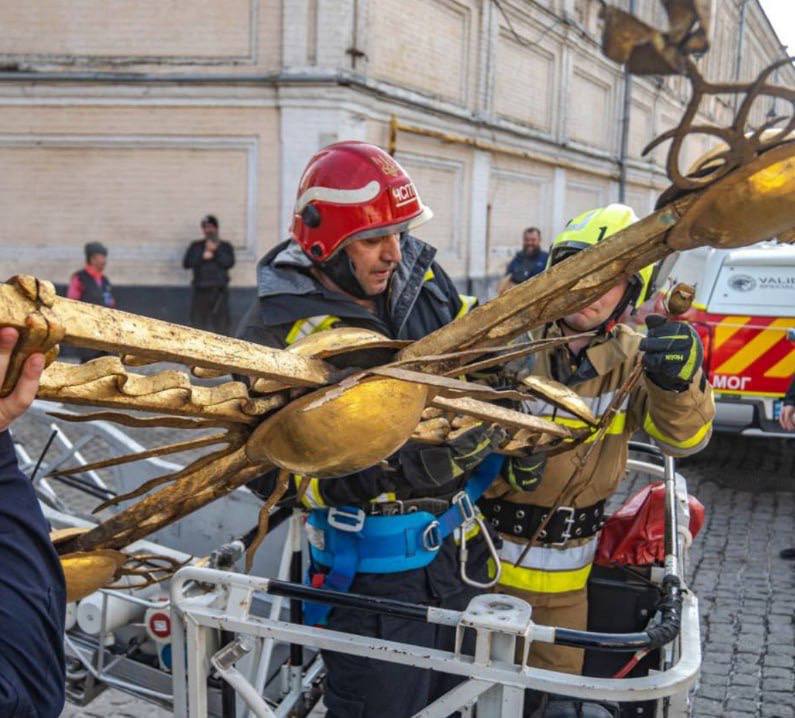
{"type": "Point", "coordinates": [210, 258]}
{"type": "Point", "coordinates": [90, 284]}
{"type": "Point", "coordinates": [528, 262]}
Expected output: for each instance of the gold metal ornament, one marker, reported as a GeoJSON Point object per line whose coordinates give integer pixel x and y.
{"type": "Point", "coordinates": [320, 434]}
{"type": "Point", "coordinates": [346, 399]}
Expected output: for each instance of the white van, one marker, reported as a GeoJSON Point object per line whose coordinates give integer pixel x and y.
{"type": "Point", "coordinates": [744, 311]}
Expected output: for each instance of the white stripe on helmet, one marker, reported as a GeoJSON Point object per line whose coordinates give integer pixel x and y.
{"type": "Point", "coordinates": [338, 196]}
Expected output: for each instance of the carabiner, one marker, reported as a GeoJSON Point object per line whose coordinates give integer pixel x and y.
{"type": "Point", "coordinates": [463, 554]}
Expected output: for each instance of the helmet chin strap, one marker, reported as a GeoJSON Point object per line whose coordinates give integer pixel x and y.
{"type": "Point", "coordinates": [340, 270]}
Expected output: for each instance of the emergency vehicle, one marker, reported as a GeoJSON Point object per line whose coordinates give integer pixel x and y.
{"type": "Point", "coordinates": [744, 312]}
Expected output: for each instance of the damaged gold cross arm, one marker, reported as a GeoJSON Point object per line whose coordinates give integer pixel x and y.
{"type": "Point", "coordinates": [106, 382]}
{"type": "Point", "coordinates": [117, 332]}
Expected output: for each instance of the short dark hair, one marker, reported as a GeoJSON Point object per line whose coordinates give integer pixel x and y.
{"type": "Point", "coordinates": [532, 229]}
{"type": "Point", "coordinates": [92, 248]}
{"type": "Point", "coordinates": [210, 219]}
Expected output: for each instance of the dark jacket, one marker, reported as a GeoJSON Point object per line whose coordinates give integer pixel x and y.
{"type": "Point", "coordinates": [421, 298]}
{"type": "Point", "coordinates": [789, 397]}
{"type": "Point", "coordinates": [209, 273]}
{"type": "Point", "coordinates": [523, 266]}
{"type": "Point", "coordinates": [84, 287]}
{"type": "Point", "coordinates": [32, 600]}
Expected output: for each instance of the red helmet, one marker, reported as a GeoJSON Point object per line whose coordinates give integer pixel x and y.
{"type": "Point", "coordinates": [350, 191]}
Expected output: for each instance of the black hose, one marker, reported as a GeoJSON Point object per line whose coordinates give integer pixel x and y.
{"type": "Point", "coordinates": [654, 637]}
{"type": "Point", "coordinates": [85, 486]}
{"type": "Point", "coordinates": [43, 454]}
{"type": "Point", "coordinates": [386, 606]}
{"type": "Point", "coordinates": [296, 607]}
{"type": "Point", "coordinates": [669, 610]}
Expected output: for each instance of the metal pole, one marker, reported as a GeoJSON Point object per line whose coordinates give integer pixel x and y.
{"type": "Point", "coordinates": [197, 669]}
{"type": "Point", "coordinates": [501, 701]}
{"type": "Point", "coordinates": [285, 565]}
{"type": "Point", "coordinates": [624, 146]}
{"type": "Point", "coordinates": [739, 58]}
{"type": "Point", "coordinates": [179, 678]}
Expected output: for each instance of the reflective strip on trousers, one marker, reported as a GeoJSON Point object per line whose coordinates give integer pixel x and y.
{"type": "Point", "coordinates": [547, 569]}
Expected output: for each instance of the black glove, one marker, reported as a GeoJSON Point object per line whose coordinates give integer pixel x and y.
{"type": "Point", "coordinates": [673, 353]}
{"type": "Point", "coordinates": [469, 448]}
{"type": "Point", "coordinates": [524, 473]}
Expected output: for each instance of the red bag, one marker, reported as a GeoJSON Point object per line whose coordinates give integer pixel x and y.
{"type": "Point", "coordinates": [635, 534]}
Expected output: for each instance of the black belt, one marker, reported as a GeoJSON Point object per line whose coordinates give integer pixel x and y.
{"type": "Point", "coordinates": [406, 506]}
{"type": "Point", "coordinates": [523, 521]}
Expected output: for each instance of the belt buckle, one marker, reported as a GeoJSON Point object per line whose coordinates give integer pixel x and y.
{"type": "Point", "coordinates": [568, 524]}
{"type": "Point", "coordinates": [390, 508]}
{"type": "Point", "coordinates": [346, 520]}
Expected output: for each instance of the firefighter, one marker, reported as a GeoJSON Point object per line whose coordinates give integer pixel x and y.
{"type": "Point", "coordinates": [672, 402]}
{"type": "Point", "coordinates": [350, 262]}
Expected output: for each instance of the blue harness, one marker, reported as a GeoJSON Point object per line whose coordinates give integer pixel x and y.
{"type": "Point", "coordinates": [347, 541]}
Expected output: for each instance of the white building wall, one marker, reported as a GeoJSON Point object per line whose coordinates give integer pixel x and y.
{"type": "Point", "coordinates": [128, 128]}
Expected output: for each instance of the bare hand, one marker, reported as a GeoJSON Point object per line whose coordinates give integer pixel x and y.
{"type": "Point", "coordinates": [17, 402]}
{"type": "Point", "coordinates": [208, 254]}
{"type": "Point", "coordinates": [787, 418]}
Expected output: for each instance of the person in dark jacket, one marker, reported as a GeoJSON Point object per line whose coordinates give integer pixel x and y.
{"type": "Point", "coordinates": [210, 258]}
{"type": "Point", "coordinates": [91, 285]}
{"type": "Point", "coordinates": [352, 263]}
{"type": "Point", "coordinates": [528, 262]}
{"type": "Point", "coordinates": [32, 589]}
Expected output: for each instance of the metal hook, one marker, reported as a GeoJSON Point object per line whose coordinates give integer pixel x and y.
{"type": "Point", "coordinates": [463, 553]}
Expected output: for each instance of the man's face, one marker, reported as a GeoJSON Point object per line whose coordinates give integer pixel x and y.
{"type": "Point", "coordinates": [374, 260]}
{"type": "Point", "coordinates": [531, 242]}
{"type": "Point", "coordinates": [210, 230]}
{"type": "Point", "coordinates": [98, 261]}
{"type": "Point", "coordinates": [598, 311]}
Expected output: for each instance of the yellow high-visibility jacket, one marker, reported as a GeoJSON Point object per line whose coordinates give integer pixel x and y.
{"type": "Point", "coordinates": [680, 422]}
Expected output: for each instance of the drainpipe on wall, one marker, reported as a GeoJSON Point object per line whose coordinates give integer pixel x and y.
{"type": "Point", "coordinates": [627, 104]}
{"type": "Point", "coordinates": [739, 58]}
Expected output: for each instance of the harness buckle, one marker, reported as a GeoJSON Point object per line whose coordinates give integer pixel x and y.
{"type": "Point", "coordinates": [389, 508]}
{"type": "Point", "coordinates": [465, 506]}
{"type": "Point", "coordinates": [568, 524]}
{"type": "Point", "coordinates": [346, 519]}
{"type": "Point", "coordinates": [431, 539]}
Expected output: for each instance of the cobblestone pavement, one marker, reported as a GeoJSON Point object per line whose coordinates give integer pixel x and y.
{"type": "Point", "coordinates": [746, 592]}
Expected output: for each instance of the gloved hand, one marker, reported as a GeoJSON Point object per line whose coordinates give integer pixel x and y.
{"type": "Point", "coordinates": [524, 473]}
{"type": "Point", "coordinates": [471, 446]}
{"type": "Point", "coordinates": [673, 353]}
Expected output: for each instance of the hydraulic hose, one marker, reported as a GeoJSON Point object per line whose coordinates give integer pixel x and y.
{"type": "Point", "coordinates": [669, 609]}
{"type": "Point", "coordinates": [654, 637]}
